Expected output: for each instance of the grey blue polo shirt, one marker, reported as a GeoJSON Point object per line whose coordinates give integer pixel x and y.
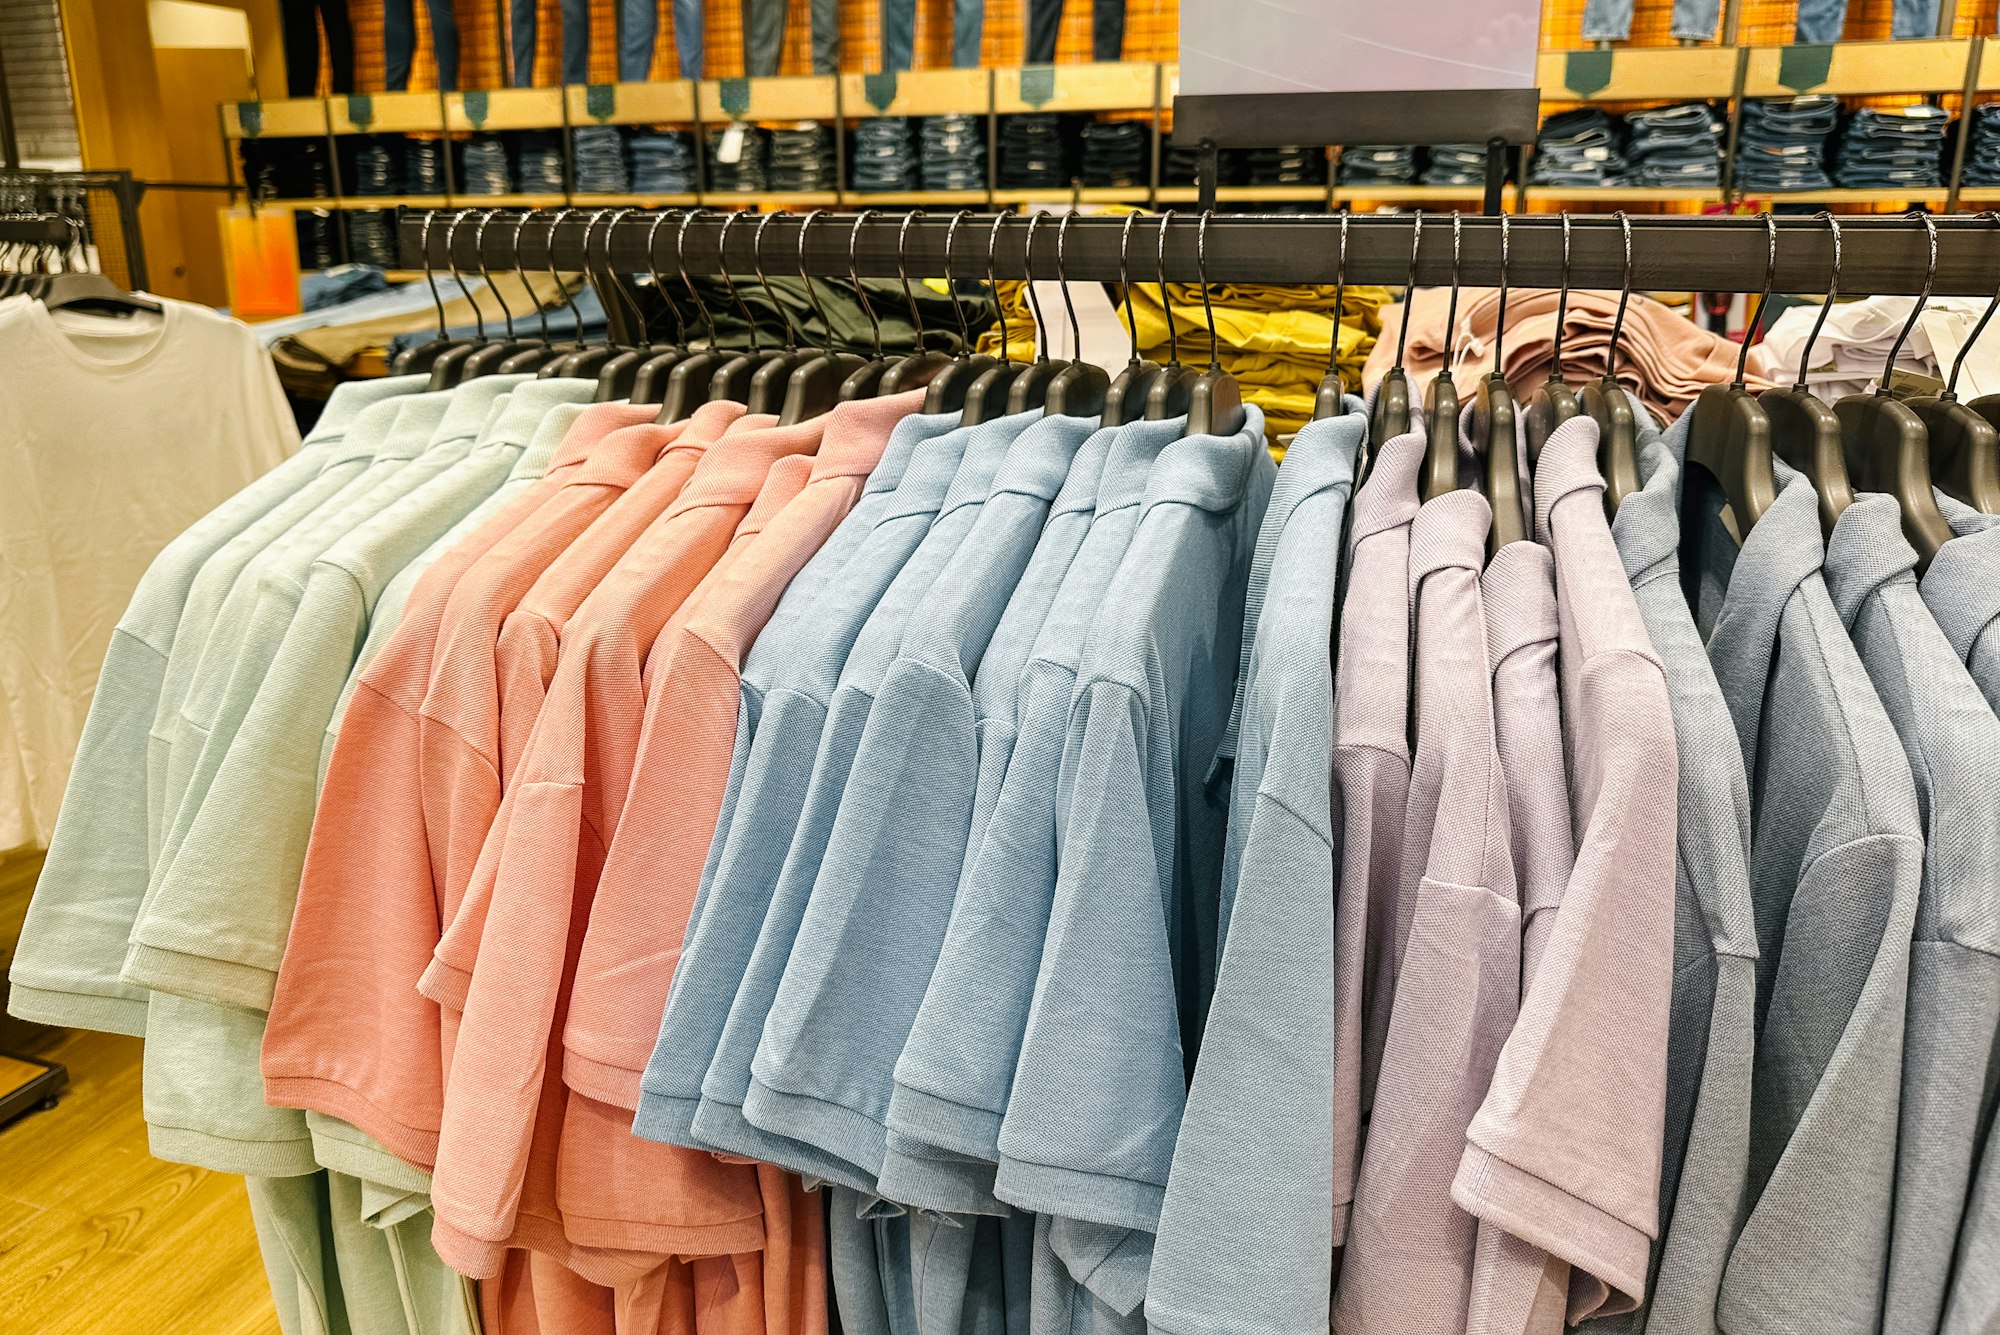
{"type": "Point", "coordinates": [787, 682]}
{"type": "Point", "coordinates": [1252, 1171]}
{"type": "Point", "coordinates": [789, 1093]}
{"type": "Point", "coordinates": [1836, 858]}
{"type": "Point", "coordinates": [1952, 739]}
{"type": "Point", "coordinates": [1128, 961]}
{"type": "Point", "coordinates": [883, 894]}
{"type": "Point", "coordinates": [72, 946]}
{"type": "Point", "coordinates": [957, 1069]}
{"type": "Point", "coordinates": [1711, 1033]}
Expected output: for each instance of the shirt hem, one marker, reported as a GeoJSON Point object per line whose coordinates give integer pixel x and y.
{"type": "Point", "coordinates": [199, 977]}
{"type": "Point", "coordinates": [607, 1082]}
{"type": "Point", "coordinates": [416, 1146]}
{"type": "Point", "coordinates": [221, 1154]}
{"type": "Point", "coordinates": [77, 1010]}
{"type": "Point", "coordinates": [945, 1186]}
{"type": "Point", "coordinates": [666, 1120]}
{"type": "Point", "coordinates": [481, 1258]}
{"type": "Point", "coordinates": [727, 1237]}
{"type": "Point", "coordinates": [945, 1123]}
{"type": "Point", "coordinates": [1094, 1198]}
{"type": "Point", "coordinates": [1591, 1240]}
{"type": "Point", "coordinates": [722, 1127]}
{"type": "Point", "coordinates": [840, 1131]}
{"type": "Point", "coordinates": [446, 984]}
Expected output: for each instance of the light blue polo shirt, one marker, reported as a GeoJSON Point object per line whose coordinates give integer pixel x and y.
{"type": "Point", "coordinates": [1128, 961]}
{"type": "Point", "coordinates": [957, 1068]}
{"type": "Point", "coordinates": [782, 1097]}
{"type": "Point", "coordinates": [1252, 1174]}
{"type": "Point", "coordinates": [787, 679]}
{"type": "Point", "coordinates": [883, 893]}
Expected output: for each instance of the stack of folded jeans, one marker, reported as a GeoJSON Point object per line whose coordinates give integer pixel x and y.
{"type": "Point", "coordinates": [423, 166]}
{"type": "Point", "coordinates": [1677, 145]}
{"type": "Point", "coordinates": [747, 172]}
{"type": "Point", "coordinates": [371, 237]}
{"type": "Point", "coordinates": [954, 153]}
{"type": "Point", "coordinates": [1034, 152]}
{"type": "Point", "coordinates": [801, 159]}
{"type": "Point", "coordinates": [1114, 153]}
{"type": "Point", "coordinates": [1378, 164]}
{"type": "Point", "coordinates": [1782, 145]}
{"type": "Point", "coordinates": [539, 160]}
{"type": "Point", "coordinates": [1578, 148]}
{"type": "Point", "coordinates": [483, 167]}
{"type": "Point", "coordinates": [377, 167]}
{"type": "Point", "coordinates": [1893, 148]}
{"type": "Point", "coordinates": [1287, 165]}
{"type": "Point", "coordinates": [662, 162]}
{"type": "Point", "coordinates": [884, 156]}
{"type": "Point", "coordinates": [1982, 155]}
{"type": "Point", "coordinates": [600, 160]}
{"type": "Point", "coordinates": [1456, 164]}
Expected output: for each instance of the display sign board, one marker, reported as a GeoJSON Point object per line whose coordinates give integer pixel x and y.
{"type": "Point", "coordinates": [1335, 46]}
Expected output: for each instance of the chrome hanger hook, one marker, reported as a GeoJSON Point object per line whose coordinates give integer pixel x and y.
{"type": "Point", "coordinates": [1951, 387]}
{"type": "Point", "coordinates": [1062, 281]}
{"type": "Point", "coordinates": [729, 220]}
{"type": "Point", "coordinates": [1410, 293]}
{"type": "Point", "coordinates": [1826, 307]}
{"type": "Point", "coordinates": [757, 266]}
{"type": "Point", "coordinates": [951, 289]}
{"type": "Point", "coordinates": [1339, 298]}
{"type": "Point", "coordinates": [854, 277]}
{"type": "Point", "coordinates": [1166, 301]}
{"type": "Point", "coordinates": [1770, 276]}
{"type": "Point", "coordinates": [1201, 272]}
{"type": "Point", "coordinates": [1451, 306]}
{"type": "Point", "coordinates": [659, 283]}
{"type": "Point", "coordinates": [993, 281]}
{"type": "Point", "coordinates": [1035, 302]}
{"type": "Point", "coordinates": [450, 234]}
{"type": "Point", "coordinates": [1930, 273]}
{"type": "Point", "coordinates": [430, 274]}
{"type": "Point", "coordinates": [1500, 329]}
{"type": "Point", "coordinates": [479, 248]}
{"type": "Point", "coordinates": [812, 293]}
{"type": "Point", "coordinates": [1562, 304]}
{"type": "Point", "coordinates": [1624, 297]}
{"type": "Point", "coordinates": [1125, 283]}
{"type": "Point", "coordinates": [902, 267]}
{"type": "Point", "coordinates": [680, 267]}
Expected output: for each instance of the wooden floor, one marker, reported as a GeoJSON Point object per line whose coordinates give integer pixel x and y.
{"type": "Point", "coordinates": [98, 1236]}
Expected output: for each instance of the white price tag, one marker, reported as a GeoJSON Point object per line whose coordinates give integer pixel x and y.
{"type": "Point", "coordinates": [1596, 154]}
{"type": "Point", "coordinates": [730, 151]}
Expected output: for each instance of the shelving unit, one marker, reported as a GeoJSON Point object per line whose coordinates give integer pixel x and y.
{"type": "Point", "coordinates": [1729, 75]}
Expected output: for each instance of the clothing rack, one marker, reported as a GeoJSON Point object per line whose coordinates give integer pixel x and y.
{"type": "Point", "coordinates": [35, 229]}
{"type": "Point", "coordinates": [1879, 255]}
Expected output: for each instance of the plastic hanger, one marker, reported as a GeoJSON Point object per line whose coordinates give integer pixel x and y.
{"type": "Point", "coordinates": [1391, 415]}
{"type": "Point", "coordinates": [80, 287]}
{"type": "Point", "coordinates": [1804, 431]}
{"type": "Point", "coordinates": [1078, 389]}
{"type": "Point", "coordinates": [1326, 399]}
{"type": "Point", "coordinates": [1886, 445]}
{"type": "Point", "coordinates": [587, 364]}
{"type": "Point", "coordinates": [690, 382]}
{"type": "Point", "coordinates": [815, 384]}
{"type": "Point", "coordinates": [619, 376]}
{"type": "Point", "coordinates": [1965, 438]}
{"type": "Point", "coordinates": [1440, 469]}
{"type": "Point", "coordinates": [1604, 400]}
{"type": "Point", "coordinates": [449, 368]}
{"type": "Point", "coordinates": [1031, 387]}
{"type": "Point", "coordinates": [1493, 417]}
{"type": "Point", "coordinates": [489, 359]}
{"type": "Point", "coordinates": [768, 381]}
{"type": "Point", "coordinates": [987, 397]}
{"type": "Point", "coordinates": [1125, 396]}
{"type": "Point", "coordinates": [1170, 388]}
{"type": "Point", "coordinates": [649, 381]}
{"type": "Point", "coordinates": [1215, 403]}
{"type": "Point", "coordinates": [731, 381]}
{"type": "Point", "coordinates": [924, 365]}
{"type": "Point", "coordinates": [565, 365]}
{"type": "Point", "coordinates": [544, 350]}
{"type": "Point", "coordinates": [1729, 441]}
{"type": "Point", "coordinates": [950, 386]}
{"type": "Point", "coordinates": [1552, 404]}
{"type": "Point", "coordinates": [865, 382]}
{"type": "Point", "coordinates": [419, 359]}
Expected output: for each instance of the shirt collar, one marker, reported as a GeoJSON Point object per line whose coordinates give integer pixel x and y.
{"type": "Point", "coordinates": [720, 418]}
{"type": "Point", "coordinates": [985, 450]}
{"type": "Point", "coordinates": [1133, 453]}
{"type": "Point", "coordinates": [350, 397]}
{"type": "Point", "coordinates": [530, 405]}
{"type": "Point", "coordinates": [787, 478]}
{"type": "Point", "coordinates": [1449, 532]}
{"type": "Point", "coordinates": [1568, 464]}
{"type": "Point", "coordinates": [1388, 495]}
{"type": "Point", "coordinates": [734, 473]}
{"type": "Point", "coordinates": [1210, 472]}
{"type": "Point", "coordinates": [541, 451]}
{"type": "Point", "coordinates": [859, 434]}
{"type": "Point", "coordinates": [1519, 590]}
{"type": "Point", "coordinates": [368, 438]}
{"type": "Point", "coordinates": [1647, 527]}
{"type": "Point", "coordinates": [1962, 584]}
{"type": "Point", "coordinates": [930, 471]}
{"type": "Point", "coordinates": [1039, 459]}
{"type": "Point", "coordinates": [1865, 551]}
{"type": "Point", "coordinates": [597, 422]}
{"type": "Point", "coordinates": [1085, 474]}
{"type": "Point", "coordinates": [904, 439]}
{"type": "Point", "coordinates": [472, 403]}
{"type": "Point", "coordinates": [418, 417]}
{"type": "Point", "coordinates": [622, 457]}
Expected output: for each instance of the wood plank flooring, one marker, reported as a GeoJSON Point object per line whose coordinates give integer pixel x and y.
{"type": "Point", "coordinates": [98, 1236]}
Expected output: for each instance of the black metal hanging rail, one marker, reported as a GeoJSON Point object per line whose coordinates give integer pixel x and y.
{"type": "Point", "coordinates": [1879, 255]}
{"type": "Point", "coordinates": [37, 229]}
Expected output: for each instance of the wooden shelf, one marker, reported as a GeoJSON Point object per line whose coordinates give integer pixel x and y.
{"type": "Point", "coordinates": [858, 199]}
{"type": "Point", "coordinates": [638, 201]}
{"type": "Point", "coordinates": [1245, 194]}
{"type": "Point", "coordinates": [1637, 74]}
{"type": "Point", "coordinates": [1858, 69]}
{"type": "Point", "coordinates": [917, 93]}
{"type": "Point", "coordinates": [667, 103]}
{"type": "Point", "coordinates": [1063, 195]}
{"type": "Point", "coordinates": [1625, 194]}
{"type": "Point", "coordinates": [295, 119]}
{"type": "Point", "coordinates": [1927, 196]}
{"type": "Point", "coordinates": [504, 109]}
{"type": "Point", "coordinates": [384, 113]}
{"type": "Point", "coordinates": [1121, 86]}
{"type": "Point", "coordinates": [1414, 194]}
{"type": "Point", "coordinates": [807, 98]}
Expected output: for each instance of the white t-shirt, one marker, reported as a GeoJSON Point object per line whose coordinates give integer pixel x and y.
{"type": "Point", "coordinates": [116, 433]}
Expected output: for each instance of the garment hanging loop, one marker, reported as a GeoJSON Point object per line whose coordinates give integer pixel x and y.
{"type": "Point", "coordinates": [854, 277]}
{"type": "Point", "coordinates": [1930, 275]}
{"type": "Point", "coordinates": [1826, 307]}
{"type": "Point", "coordinates": [1770, 276]}
{"type": "Point", "coordinates": [1951, 386]}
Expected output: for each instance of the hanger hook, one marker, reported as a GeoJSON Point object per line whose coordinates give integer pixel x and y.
{"type": "Point", "coordinates": [1832, 291]}
{"type": "Point", "coordinates": [680, 267]}
{"type": "Point", "coordinates": [1562, 304]}
{"type": "Point", "coordinates": [450, 233]}
{"type": "Point", "coordinates": [951, 290]}
{"type": "Point", "coordinates": [729, 220]}
{"type": "Point", "coordinates": [757, 264]}
{"type": "Point", "coordinates": [854, 276]}
{"type": "Point", "coordinates": [1166, 301]}
{"type": "Point", "coordinates": [903, 271]}
{"type": "Point", "coordinates": [479, 249]}
{"type": "Point", "coordinates": [1125, 282]}
{"type": "Point", "coordinates": [1451, 305]}
{"type": "Point", "coordinates": [521, 268]}
{"type": "Point", "coordinates": [660, 284]}
{"type": "Point", "coordinates": [614, 280]}
{"type": "Point", "coordinates": [1770, 276]}
{"type": "Point", "coordinates": [430, 274]}
{"type": "Point", "coordinates": [1923, 299]}
{"type": "Point", "coordinates": [1624, 296]}
{"type": "Point", "coordinates": [992, 280]}
{"type": "Point", "coordinates": [1500, 329]}
{"type": "Point", "coordinates": [1951, 387]}
{"type": "Point", "coordinates": [1062, 281]}
{"type": "Point", "coordinates": [1339, 298]}
{"type": "Point", "coordinates": [812, 293]}
{"type": "Point", "coordinates": [562, 284]}
{"type": "Point", "coordinates": [1201, 271]}
{"type": "Point", "coordinates": [1035, 302]}
{"type": "Point", "coordinates": [1410, 291]}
